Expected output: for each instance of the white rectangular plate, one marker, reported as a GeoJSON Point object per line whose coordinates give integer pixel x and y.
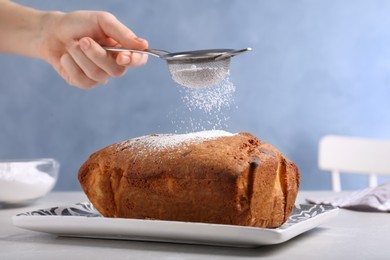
{"type": "Point", "coordinates": [82, 220]}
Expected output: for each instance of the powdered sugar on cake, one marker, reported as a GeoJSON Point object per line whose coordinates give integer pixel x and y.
{"type": "Point", "coordinates": [165, 141]}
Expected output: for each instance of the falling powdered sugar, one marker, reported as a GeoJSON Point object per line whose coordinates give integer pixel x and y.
{"type": "Point", "coordinates": [205, 108]}
{"type": "Point", "coordinates": [210, 99]}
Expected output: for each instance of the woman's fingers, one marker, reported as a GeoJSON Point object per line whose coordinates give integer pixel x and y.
{"type": "Point", "coordinates": [90, 68]}
{"type": "Point", "coordinates": [87, 64]}
{"type": "Point", "coordinates": [106, 59]}
{"type": "Point", "coordinates": [131, 59]}
{"type": "Point", "coordinates": [125, 38]}
{"type": "Point", "coordinates": [116, 30]}
{"type": "Point", "coordinates": [101, 58]}
{"type": "Point", "coordinates": [73, 74]}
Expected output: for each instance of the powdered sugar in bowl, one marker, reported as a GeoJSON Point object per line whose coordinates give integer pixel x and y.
{"type": "Point", "coordinates": [22, 181]}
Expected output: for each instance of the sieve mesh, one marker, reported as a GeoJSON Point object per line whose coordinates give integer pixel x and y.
{"type": "Point", "coordinates": [199, 74]}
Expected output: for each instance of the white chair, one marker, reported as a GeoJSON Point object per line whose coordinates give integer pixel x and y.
{"type": "Point", "coordinates": [354, 155]}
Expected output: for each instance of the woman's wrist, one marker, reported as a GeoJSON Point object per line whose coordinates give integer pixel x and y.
{"type": "Point", "coordinates": [48, 32]}
{"type": "Point", "coordinates": [23, 29]}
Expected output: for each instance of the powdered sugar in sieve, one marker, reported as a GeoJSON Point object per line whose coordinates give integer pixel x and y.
{"type": "Point", "coordinates": [200, 74]}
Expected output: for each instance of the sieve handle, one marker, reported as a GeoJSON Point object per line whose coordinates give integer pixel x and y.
{"type": "Point", "coordinates": [230, 54]}
{"type": "Point", "coordinates": [153, 52]}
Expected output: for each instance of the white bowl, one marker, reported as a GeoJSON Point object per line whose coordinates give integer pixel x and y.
{"type": "Point", "coordinates": [22, 181]}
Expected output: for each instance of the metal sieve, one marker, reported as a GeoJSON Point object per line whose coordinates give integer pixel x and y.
{"type": "Point", "coordinates": [193, 69]}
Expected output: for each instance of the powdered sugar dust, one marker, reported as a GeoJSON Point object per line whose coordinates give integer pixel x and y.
{"type": "Point", "coordinates": [205, 108]}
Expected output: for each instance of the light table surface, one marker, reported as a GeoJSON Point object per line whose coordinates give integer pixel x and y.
{"type": "Point", "coordinates": [350, 235]}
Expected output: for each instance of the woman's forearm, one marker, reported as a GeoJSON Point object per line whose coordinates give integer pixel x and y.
{"type": "Point", "coordinates": [21, 29]}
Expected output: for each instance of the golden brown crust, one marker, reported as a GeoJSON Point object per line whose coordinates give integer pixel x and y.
{"type": "Point", "coordinates": [234, 179]}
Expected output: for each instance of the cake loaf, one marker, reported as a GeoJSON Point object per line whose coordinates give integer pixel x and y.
{"type": "Point", "coordinates": [210, 177]}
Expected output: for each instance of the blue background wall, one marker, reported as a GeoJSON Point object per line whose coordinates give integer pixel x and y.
{"type": "Point", "coordinates": [318, 67]}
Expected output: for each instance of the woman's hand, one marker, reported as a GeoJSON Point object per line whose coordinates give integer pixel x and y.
{"type": "Point", "coordinates": [71, 43]}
